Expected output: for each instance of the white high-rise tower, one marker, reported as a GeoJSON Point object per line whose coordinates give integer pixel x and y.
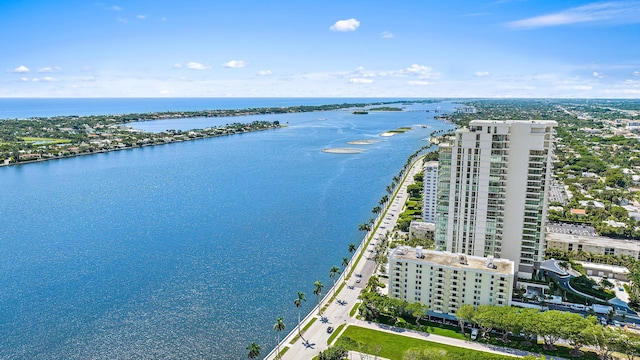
{"type": "Point", "coordinates": [430, 187]}
{"type": "Point", "coordinates": [493, 190]}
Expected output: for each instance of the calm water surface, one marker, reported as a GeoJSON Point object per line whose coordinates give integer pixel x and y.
{"type": "Point", "coordinates": [187, 250]}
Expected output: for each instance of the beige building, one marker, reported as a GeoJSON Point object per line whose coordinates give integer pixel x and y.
{"type": "Point", "coordinates": [600, 245]}
{"type": "Point", "coordinates": [445, 281]}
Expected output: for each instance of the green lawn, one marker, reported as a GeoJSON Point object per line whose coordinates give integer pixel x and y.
{"type": "Point", "coordinates": [45, 141]}
{"type": "Point", "coordinates": [393, 346]}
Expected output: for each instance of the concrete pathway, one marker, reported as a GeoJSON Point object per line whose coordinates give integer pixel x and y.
{"type": "Point", "coordinates": [315, 338]}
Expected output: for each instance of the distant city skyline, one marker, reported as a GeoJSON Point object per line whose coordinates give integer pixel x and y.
{"type": "Point", "coordinates": [247, 48]}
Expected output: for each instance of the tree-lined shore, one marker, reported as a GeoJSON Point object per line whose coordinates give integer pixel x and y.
{"type": "Point", "coordinates": [45, 138]}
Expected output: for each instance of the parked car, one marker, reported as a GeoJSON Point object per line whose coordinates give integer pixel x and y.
{"type": "Point", "coordinates": [329, 329]}
{"type": "Point", "coordinates": [474, 334]}
{"type": "Point", "coordinates": [358, 280]}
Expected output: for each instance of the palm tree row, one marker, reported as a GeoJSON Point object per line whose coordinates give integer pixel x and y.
{"type": "Point", "coordinates": [254, 349]}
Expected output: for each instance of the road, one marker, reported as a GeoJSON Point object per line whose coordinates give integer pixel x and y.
{"type": "Point", "coordinates": [315, 338]}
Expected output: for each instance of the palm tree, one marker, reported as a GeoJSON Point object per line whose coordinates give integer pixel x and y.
{"type": "Point", "coordinates": [376, 210]}
{"type": "Point", "coordinates": [318, 292]}
{"type": "Point", "coordinates": [278, 326]}
{"type": "Point", "coordinates": [384, 200]}
{"type": "Point", "coordinates": [345, 263]}
{"type": "Point", "coordinates": [352, 248]}
{"type": "Point", "coordinates": [332, 274]}
{"type": "Point", "coordinates": [298, 303]}
{"type": "Point", "coordinates": [364, 227]}
{"type": "Point", "coordinates": [254, 350]}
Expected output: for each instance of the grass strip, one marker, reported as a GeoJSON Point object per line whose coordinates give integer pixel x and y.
{"type": "Point", "coordinates": [394, 346]}
{"type": "Point", "coordinates": [334, 334]}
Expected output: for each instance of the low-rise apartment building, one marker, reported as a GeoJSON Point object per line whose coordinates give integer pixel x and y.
{"type": "Point", "coordinates": [600, 245]}
{"type": "Point", "coordinates": [445, 281]}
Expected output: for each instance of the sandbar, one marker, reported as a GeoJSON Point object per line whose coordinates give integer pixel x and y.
{"type": "Point", "coordinates": [343, 151]}
{"type": "Point", "coordinates": [387, 134]}
{"type": "Point", "coordinates": [363, 142]}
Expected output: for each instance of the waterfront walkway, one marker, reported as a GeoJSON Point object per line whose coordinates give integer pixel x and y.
{"type": "Point", "coordinates": [315, 338]}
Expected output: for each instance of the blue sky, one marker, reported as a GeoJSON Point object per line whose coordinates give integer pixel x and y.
{"type": "Point", "coordinates": [364, 48]}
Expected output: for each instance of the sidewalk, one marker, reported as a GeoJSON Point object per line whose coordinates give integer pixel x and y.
{"type": "Point", "coordinates": [315, 338]}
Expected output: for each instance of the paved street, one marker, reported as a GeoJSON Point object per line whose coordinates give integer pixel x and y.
{"type": "Point", "coordinates": [315, 338]}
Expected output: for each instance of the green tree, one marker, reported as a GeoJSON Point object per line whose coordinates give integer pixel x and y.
{"type": "Point", "coordinates": [253, 350]}
{"type": "Point", "coordinates": [464, 314]}
{"type": "Point", "coordinates": [345, 263]}
{"type": "Point", "coordinates": [603, 338]}
{"type": "Point", "coordinates": [373, 284]}
{"type": "Point", "coordinates": [551, 327]}
{"type": "Point", "coordinates": [352, 248]}
{"type": "Point", "coordinates": [333, 353]}
{"type": "Point", "coordinates": [333, 272]}
{"type": "Point", "coordinates": [278, 327]}
{"type": "Point", "coordinates": [318, 292]}
{"type": "Point", "coordinates": [571, 331]}
{"type": "Point", "coordinates": [376, 210]}
{"type": "Point", "coordinates": [418, 311]}
{"type": "Point", "coordinates": [364, 227]}
{"type": "Point", "coordinates": [298, 303]}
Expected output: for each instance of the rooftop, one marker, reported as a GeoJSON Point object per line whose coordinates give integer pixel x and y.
{"type": "Point", "coordinates": [459, 261]}
{"type": "Point", "coordinates": [594, 241]}
{"type": "Point", "coordinates": [561, 228]}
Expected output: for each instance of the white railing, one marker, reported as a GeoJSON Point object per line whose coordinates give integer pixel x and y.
{"type": "Point", "coordinates": [352, 263]}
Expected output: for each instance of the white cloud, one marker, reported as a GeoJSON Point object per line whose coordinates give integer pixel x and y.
{"type": "Point", "coordinates": [45, 79]}
{"type": "Point", "coordinates": [24, 79]}
{"type": "Point", "coordinates": [612, 12]}
{"type": "Point", "coordinates": [636, 73]}
{"type": "Point", "coordinates": [235, 64]}
{"type": "Point", "coordinates": [345, 25]}
{"type": "Point", "coordinates": [141, 17]}
{"type": "Point", "coordinates": [177, 66]}
{"type": "Point", "coordinates": [48, 69]}
{"type": "Point", "coordinates": [197, 66]}
{"type": "Point", "coordinates": [88, 78]}
{"type": "Point", "coordinates": [387, 35]}
{"type": "Point", "coordinates": [20, 70]}
{"type": "Point", "coordinates": [360, 81]}
{"type": "Point", "coordinates": [582, 87]}
{"type": "Point", "coordinates": [418, 83]}
{"type": "Point", "coordinates": [421, 71]}
{"type": "Point", "coordinates": [597, 75]}
{"type": "Point", "coordinates": [115, 8]}
{"type": "Point", "coordinates": [123, 20]}
{"type": "Point", "coordinates": [264, 72]}
{"type": "Point", "coordinates": [481, 73]}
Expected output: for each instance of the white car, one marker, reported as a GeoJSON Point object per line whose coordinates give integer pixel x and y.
{"type": "Point", "coordinates": [474, 334]}
{"type": "Point", "coordinates": [358, 280]}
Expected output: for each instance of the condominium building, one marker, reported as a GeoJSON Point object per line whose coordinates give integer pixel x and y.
{"type": "Point", "coordinates": [430, 187]}
{"type": "Point", "coordinates": [493, 187]}
{"type": "Point", "coordinates": [445, 281]}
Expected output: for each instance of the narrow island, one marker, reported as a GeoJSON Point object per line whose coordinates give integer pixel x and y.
{"type": "Point", "coordinates": [386, 108]}
{"type": "Point", "coordinates": [46, 138]}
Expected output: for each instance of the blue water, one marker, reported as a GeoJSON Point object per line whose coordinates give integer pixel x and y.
{"type": "Point", "coordinates": [187, 250]}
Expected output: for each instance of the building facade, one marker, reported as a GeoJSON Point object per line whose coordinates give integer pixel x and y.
{"type": "Point", "coordinates": [430, 189]}
{"type": "Point", "coordinates": [599, 245]}
{"type": "Point", "coordinates": [493, 185]}
{"type": "Point", "coordinates": [445, 281]}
